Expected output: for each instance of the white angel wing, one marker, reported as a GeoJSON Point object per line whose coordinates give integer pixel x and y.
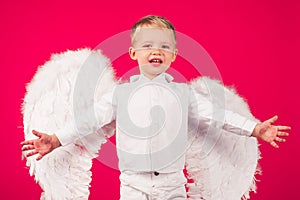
{"type": "Point", "coordinates": [49, 105]}
{"type": "Point", "coordinates": [222, 165]}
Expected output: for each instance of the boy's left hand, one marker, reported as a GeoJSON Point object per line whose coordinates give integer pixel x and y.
{"type": "Point", "coordinates": [270, 133]}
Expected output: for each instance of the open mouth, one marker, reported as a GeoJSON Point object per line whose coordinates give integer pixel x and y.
{"type": "Point", "coordinates": [155, 61]}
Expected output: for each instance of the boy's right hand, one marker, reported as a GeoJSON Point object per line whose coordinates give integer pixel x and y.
{"type": "Point", "coordinates": [43, 145]}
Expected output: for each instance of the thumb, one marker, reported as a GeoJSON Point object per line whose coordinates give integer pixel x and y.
{"type": "Point", "coordinates": [272, 120]}
{"type": "Point", "coordinates": [36, 133]}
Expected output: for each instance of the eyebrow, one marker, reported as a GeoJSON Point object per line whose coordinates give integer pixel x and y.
{"type": "Point", "coordinates": [149, 41]}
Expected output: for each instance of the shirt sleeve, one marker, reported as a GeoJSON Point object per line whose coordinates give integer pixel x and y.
{"type": "Point", "coordinates": [88, 121]}
{"type": "Point", "coordinates": [204, 114]}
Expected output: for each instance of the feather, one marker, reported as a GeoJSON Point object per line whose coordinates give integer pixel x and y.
{"type": "Point", "coordinates": [227, 169]}
{"type": "Point", "coordinates": [49, 105]}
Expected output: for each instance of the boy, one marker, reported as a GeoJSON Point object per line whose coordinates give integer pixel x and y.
{"type": "Point", "coordinates": [150, 141]}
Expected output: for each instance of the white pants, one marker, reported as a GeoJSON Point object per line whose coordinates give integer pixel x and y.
{"type": "Point", "coordinates": [148, 186]}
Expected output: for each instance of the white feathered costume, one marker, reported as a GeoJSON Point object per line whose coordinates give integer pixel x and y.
{"type": "Point", "coordinates": [221, 168]}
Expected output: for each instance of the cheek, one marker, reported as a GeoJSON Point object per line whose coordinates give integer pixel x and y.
{"type": "Point", "coordinates": [142, 61]}
{"type": "Point", "coordinates": [142, 57]}
{"type": "Point", "coordinates": [170, 59]}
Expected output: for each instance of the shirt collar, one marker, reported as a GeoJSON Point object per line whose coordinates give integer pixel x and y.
{"type": "Point", "coordinates": [163, 78]}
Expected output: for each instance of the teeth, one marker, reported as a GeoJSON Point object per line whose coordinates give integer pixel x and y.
{"type": "Point", "coordinates": [156, 60]}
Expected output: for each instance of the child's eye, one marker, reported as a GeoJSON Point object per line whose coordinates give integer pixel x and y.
{"type": "Point", "coordinates": [165, 46]}
{"type": "Point", "coordinates": [147, 46]}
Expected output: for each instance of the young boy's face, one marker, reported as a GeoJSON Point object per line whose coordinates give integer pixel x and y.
{"type": "Point", "coordinates": [154, 49]}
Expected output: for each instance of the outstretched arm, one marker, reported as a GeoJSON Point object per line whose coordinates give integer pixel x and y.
{"type": "Point", "coordinates": [270, 133]}
{"type": "Point", "coordinates": [86, 125]}
{"type": "Point", "coordinates": [43, 145]}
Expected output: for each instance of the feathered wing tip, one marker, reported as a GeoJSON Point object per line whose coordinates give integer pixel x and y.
{"type": "Point", "coordinates": [221, 165]}
{"type": "Point", "coordinates": [48, 106]}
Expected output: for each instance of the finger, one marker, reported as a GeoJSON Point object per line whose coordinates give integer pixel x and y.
{"type": "Point", "coordinates": [274, 144]}
{"type": "Point", "coordinates": [39, 134]}
{"type": "Point", "coordinates": [278, 139]}
{"type": "Point", "coordinates": [272, 120]}
{"type": "Point", "coordinates": [28, 142]}
{"type": "Point", "coordinates": [40, 156]}
{"type": "Point", "coordinates": [280, 133]}
{"type": "Point", "coordinates": [31, 153]}
{"type": "Point", "coordinates": [283, 127]}
{"type": "Point", "coordinates": [26, 148]}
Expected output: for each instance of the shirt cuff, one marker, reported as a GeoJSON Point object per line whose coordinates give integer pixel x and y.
{"type": "Point", "coordinates": [248, 128]}
{"type": "Point", "coordinates": [64, 136]}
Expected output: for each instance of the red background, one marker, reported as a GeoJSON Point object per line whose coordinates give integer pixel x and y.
{"type": "Point", "coordinates": [255, 45]}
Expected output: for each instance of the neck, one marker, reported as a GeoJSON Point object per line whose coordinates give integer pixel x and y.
{"type": "Point", "coordinates": [151, 76]}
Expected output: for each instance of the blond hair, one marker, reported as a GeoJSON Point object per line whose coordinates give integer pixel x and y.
{"type": "Point", "coordinates": [152, 20]}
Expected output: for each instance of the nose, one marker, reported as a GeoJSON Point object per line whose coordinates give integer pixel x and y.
{"type": "Point", "coordinates": [156, 51]}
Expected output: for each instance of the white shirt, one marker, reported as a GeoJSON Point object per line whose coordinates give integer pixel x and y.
{"type": "Point", "coordinates": [152, 118]}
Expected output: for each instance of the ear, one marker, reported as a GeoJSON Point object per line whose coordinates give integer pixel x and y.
{"type": "Point", "coordinates": [175, 55]}
{"type": "Point", "coordinates": [132, 53]}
